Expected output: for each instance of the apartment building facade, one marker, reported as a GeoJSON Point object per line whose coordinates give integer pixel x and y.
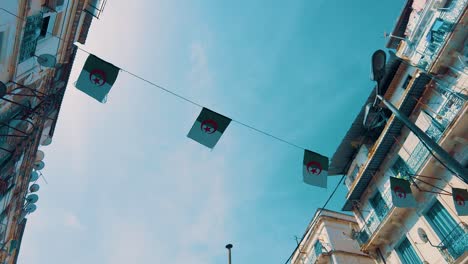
{"type": "Point", "coordinates": [330, 240]}
{"type": "Point", "coordinates": [36, 56]}
{"type": "Point", "coordinates": [426, 79]}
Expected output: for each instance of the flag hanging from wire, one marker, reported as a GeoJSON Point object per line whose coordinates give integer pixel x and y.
{"type": "Point", "coordinates": [315, 169]}
{"type": "Point", "coordinates": [401, 193]}
{"type": "Point", "coordinates": [208, 128]}
{"type": "Point", "coordinates": [460, 198]}
{"type": "Point", "coordinates": [97, 77]}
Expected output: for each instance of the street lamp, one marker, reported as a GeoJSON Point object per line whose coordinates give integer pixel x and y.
{"type": "Point", "coordinates": [229, 246]}
{"type": "Point", "coordinates": [377, 68]}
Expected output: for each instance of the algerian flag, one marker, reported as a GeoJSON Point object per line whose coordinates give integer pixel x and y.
{"type": "Point", "coordinates": [96, 78]}
{"type": "Point", "coordinates": [401, 193]}
{"type": "Point", "coordinates": [460, 197]}
{"type": "Point", "coordinates": [315, 169]}
{"type": "Point", "coordinates": [208, 128]}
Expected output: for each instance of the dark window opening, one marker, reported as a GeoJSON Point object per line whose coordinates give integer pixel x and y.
{"type": "Point", "coordinates": [407, 81]}
{"type": "Point", "coordinates": [45, 26]}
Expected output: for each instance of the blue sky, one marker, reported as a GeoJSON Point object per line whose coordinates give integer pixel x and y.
{"type": "Point", "coordinates": [125, 184]}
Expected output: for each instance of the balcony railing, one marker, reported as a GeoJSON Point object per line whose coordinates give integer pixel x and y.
{"type": "Point", "coordinates": [448, 17]}
{"type": "Point", "coordinates": [312, 258]}
{"type": "Point", "coordinates": [375, 219]}
{"type": "Point", "coordinates": [446, 114]}
{"type": "Point", "coordinates": [455, 243]}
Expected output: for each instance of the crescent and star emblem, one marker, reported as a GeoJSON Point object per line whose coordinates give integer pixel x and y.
{"type": "Point", "coordinates": [97, 77]}
{"type": "Point", "coordinates": [399, 192]}
{"type": "Point", "coordinates": [460, 201]}
{"type": "Point", "coordinates": [209, 126]}
{"type": "Point", "coordinates": [314, 168]}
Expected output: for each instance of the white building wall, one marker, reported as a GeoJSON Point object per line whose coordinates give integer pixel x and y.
{"type": "Point", "coordinates": [7, 31]}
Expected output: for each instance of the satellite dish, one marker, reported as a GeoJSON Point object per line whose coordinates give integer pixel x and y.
{"type": "Point", "coordinates": [32, 198]}
{"type": "Point", "coordinates": [3, 89]}
{"type": "Point", "coordinates": [34, 188]}
{"type": "Point", "coordinates": [47, 141]}
{"type": "Point", "coordinates": [40, 155]}
{"type": "Point", "coordinates": [39, 165]}
{"type": "Point", "coordinates": [30, 208]}
{"type": "Point", "coordinates": [422, 235]}
{"type": "Point", "coordinates": [34, 176]}
{"type": "Point", "coordinates": [47, 60]}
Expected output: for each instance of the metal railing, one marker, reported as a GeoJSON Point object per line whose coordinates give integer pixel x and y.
{"type": "Point", "coordinates": [450, 17]}
{"type": "Point", "coordinates": [455, 243]}
{"type": "Point", "coordinates": [375, 219]}
{"type": "Point", "coordinates": [446, 115]}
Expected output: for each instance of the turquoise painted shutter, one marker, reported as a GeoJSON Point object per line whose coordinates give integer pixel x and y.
{"type": "Point", "coordinates": [452, 235]}
{"type": "Point", "coordinates": [440, 220]}
{"type": "Point", "coordinates": [407, 253]}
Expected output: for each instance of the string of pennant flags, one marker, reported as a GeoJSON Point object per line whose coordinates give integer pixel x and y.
{"type": "Point", "coordinates": [98, 76]}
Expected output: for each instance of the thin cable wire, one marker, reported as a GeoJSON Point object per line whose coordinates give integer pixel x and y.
{"type": "Point", "coordinates": [201, 106]}
{"type": "Point", "coordinates": [162, 88]}
{"type": "Point", "coordinates": [316, 218]}
{"type": "Point", "coordinates": [268, 134]}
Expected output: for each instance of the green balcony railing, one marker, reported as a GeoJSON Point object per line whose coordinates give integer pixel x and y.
{"type": "Point", "coordinates": [448, 17]}
{"type": "Point", "coordinates": [446, 115]}
{"type": "Point", "coordinates": [455, 243]}
{"type": "Point", "coordinates": [375, 218]}
{"type": "Point", "coordinates": [29, 41]}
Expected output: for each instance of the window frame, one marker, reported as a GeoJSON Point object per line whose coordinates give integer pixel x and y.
{"type": "Point", "coordinates": [397, 250]}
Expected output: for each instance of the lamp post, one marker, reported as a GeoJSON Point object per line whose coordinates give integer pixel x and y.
{"type": "Point", "coordinates": [378, 70]}
{"type": "Point", "coordinates": [229, 246]}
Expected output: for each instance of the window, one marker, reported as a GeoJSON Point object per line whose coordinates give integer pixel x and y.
{"type": "Point", "coordinates": [379, 205]}
{"type": "Point", "coordinates": [354, 173]}
{"type": "Point", "coordinates": [452, 235]}
{"type": "Point", "coordinates": [407, 81]}
{"type": "Point", "coordinates": [44, 27]}
{"type": "Point", "coordinates": [318, 248]}
{"type": "Point", "coordinates": [407, 253]}
{"type": "Point", "coordinates": [449, 4]}
{"type": "Point", "coordinates": [402, 168]}
{"type": "Point", "coordinates": [29, 41]}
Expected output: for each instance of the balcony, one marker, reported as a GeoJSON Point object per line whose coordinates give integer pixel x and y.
{"type": "Point", "coordinates": [455, 244]}
{"type": "Point", "coordinates": [438, 34]}
{"type": "Point", "coordinates": [375, 219]}
{"type": "Point", "coordinates": [315, 253]}
{"type": "Point", "coordinates": [29, 42]}
{"type": "Point", "coordinates": [447, 113]}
